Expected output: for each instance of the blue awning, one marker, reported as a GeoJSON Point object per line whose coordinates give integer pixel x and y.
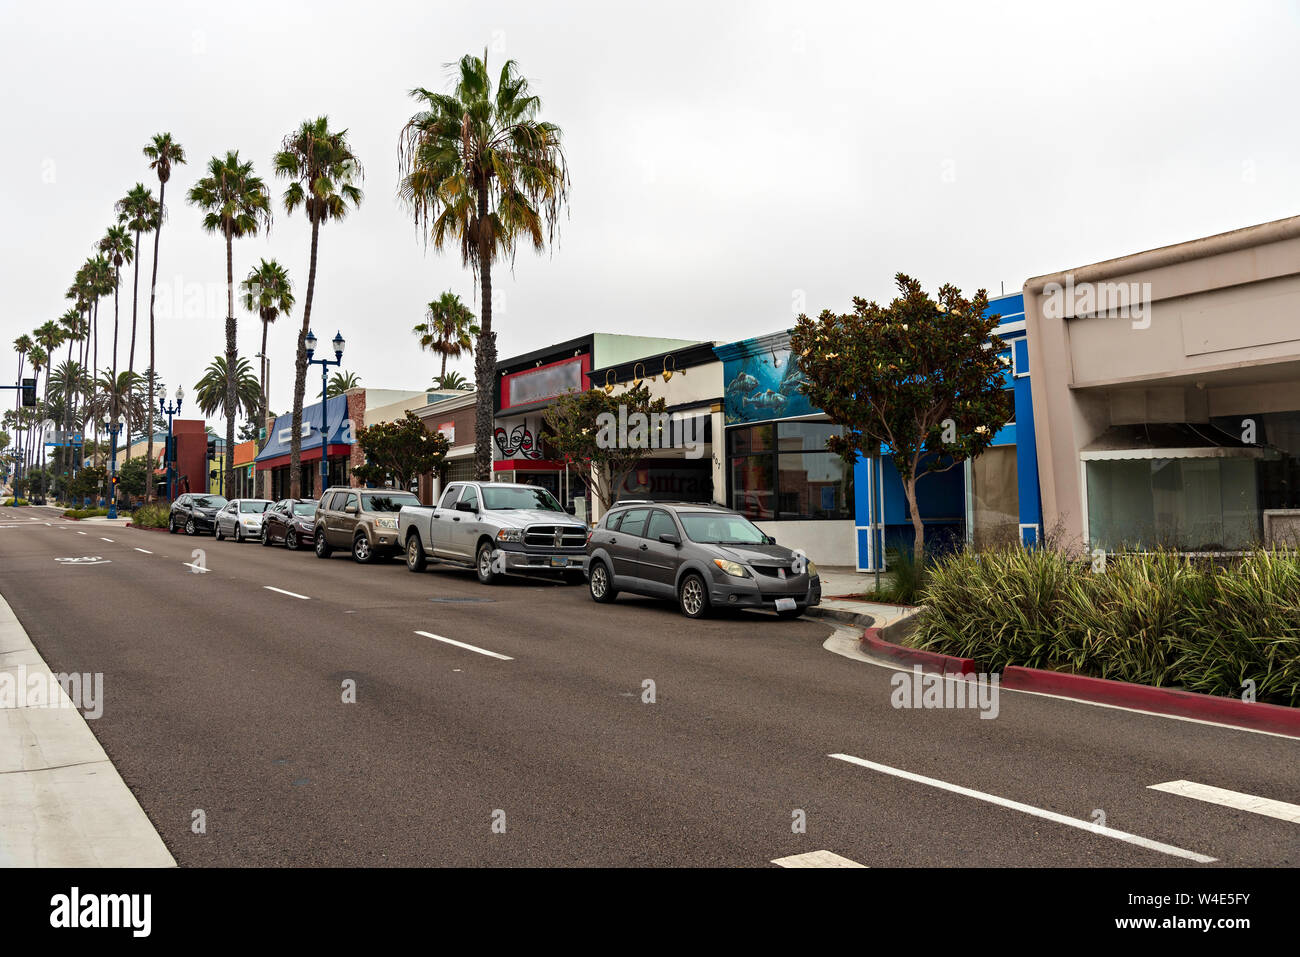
{"type": "Point", "coordinates": [336, 414]}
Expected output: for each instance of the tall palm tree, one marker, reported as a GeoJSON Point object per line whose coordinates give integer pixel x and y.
{"type": "Point", "coordinates": [138, 211]}
{"type": "Point", "coordinates": [23, 346]}
{"type": "Point", "coordinates": [118, 397]}
{"type": "Point", "coordinates": [340, 382]}
{"type": "Point", "coordinates": [451, 380]}
{"type": "Point", "coordinates": [163, 153]}
{"type": "Point", "coordinates": [211, 391]}
{"type": "Point", "coordinates": [323, 175]}
{"type": "Point", "coordinates": [268, 292]}
{"type": "Point", "coordinates": [448, 328]}
{"type": "Point", "coordinates": [236, 204]}
{"type": "Point", "coordinates": [480, 169]}
{"type": "Point", "coordinates": [38, 357]}
{"type": "Point", "coordinates": [99, 283]}
{"type": "Point", "coordinates": [50, 336]}
{"type": "Point", "coordinates": [118, 249]}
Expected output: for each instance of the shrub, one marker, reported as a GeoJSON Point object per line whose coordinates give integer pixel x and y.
{"type": "Point", "coordinates": [1158, 618]}
{"type": "Point", "coordinates": [907, 580]}
{"type": "Point", "coordinates": [151, 516]}
{"type": "Point", "coordinates": [21, 501]}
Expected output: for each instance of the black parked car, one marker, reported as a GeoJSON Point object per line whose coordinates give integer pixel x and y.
{"type": "Point", "coordinates": [195, 512]}
{"type": "Point", "coordinates": [292, 521]}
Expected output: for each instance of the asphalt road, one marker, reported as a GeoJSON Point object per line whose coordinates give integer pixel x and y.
{"type": "Point", "coordinates": [225, 696]}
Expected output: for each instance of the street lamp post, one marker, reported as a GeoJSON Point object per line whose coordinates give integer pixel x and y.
{"type": "Point", "coordinates": [338, 343]}
{"type": "Point", "coordinates": [169, 410]}
{"type": "Point", "coordinates": [113, 428]}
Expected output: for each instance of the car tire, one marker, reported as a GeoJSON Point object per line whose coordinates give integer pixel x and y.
{"type": "Point", "coordinates": [362, 553]}
{"type": "Point", "coordinates": [190, 527]}
{"type": "Point", "coordinates": [216, 532]}
{"type": "Point", "coordinates": [483, 564]}
{"type": "Point", "coordinates": [291, 540]}
{"type": "Point", "coordinates": [601, 583]}
{"type": "Point", "coordinates": [171, 524]}
{"type": "Point", "coordinates": [323, 549]}
{"type": "Point", "coordinates": [415, 559]}
{"type": "Point", "coordinates": [239, 534]}
{"type": "Point", "coordinates": [266, 537]}
{"type": "Point", "coordinates": [693, 596]}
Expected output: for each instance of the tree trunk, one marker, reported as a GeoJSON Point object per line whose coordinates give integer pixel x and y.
{"type": "Point", "coordinates": [94, 383]}
{"type": "Point", "coordinates": [300, 376]}
{"type": "Point", "coordinates": [135, 311]}
{"type": "Point", "coordinates": [113, 410]}
{"type": "Point", "coordinates": [485, 365]}
{"type": "Point", "coordinates": [262, 476]}
{"type": "Point", "coordinates": [918, 527]}
{"type": "Point", "coordinates": [444, 370]}
{"type": "Point", "coordinates": [232, 348]}
{"type": "Point", "coordinates": [153, 286]}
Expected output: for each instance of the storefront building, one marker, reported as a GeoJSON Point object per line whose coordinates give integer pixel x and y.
{"type": "Point", "coordinates": [688, 464]}
{"type": "Point", "coordinates": [527, 385]}
{"type": "Point", "coordinates": [1167, 388]}
{"type": "Point", "coordinates": [453, 416]}
{"type": "Point", "coordinates": [330, 416]}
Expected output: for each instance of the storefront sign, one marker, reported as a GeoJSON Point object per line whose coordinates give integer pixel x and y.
{"type": "Point", "coordinates": [544, 382]}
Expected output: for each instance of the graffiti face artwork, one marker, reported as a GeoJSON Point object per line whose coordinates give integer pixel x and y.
{"type": "Point", "coordinates": [520, 443]}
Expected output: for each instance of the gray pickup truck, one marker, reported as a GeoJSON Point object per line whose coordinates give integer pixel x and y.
{"type": "Point", "coordinates": [496, 528]}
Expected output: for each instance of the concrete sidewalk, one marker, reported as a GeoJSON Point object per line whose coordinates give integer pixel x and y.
{"type": "Point", "coordinates": [62, 803]}
{"type": "Point", "coordinates": [840, 602]}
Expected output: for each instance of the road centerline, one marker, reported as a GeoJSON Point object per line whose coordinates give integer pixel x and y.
{"type": "Point", "coordinates": [1090, 826]}
{"type": "Point", "coordinates": [461, 644]}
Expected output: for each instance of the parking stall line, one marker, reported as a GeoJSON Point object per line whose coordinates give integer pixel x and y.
{"type": "Point", "coordinates": [291, 594]}
{"type": "Point", "coordinates": [461, 644]}
{"type": "Point", "coordinates": [1233, 799]}
{"type": "Point", "coordinates": [1135, 839]}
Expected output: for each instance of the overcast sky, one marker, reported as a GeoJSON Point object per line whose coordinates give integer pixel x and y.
{"type": "Point", "coordinates": [730, 161]}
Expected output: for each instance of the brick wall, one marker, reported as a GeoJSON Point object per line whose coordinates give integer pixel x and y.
{"type": "Point", "coordinates": [357, 413]}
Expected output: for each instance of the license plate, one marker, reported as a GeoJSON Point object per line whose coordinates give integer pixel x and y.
{"type": "Point", "coordinates": [786, 604]}
{"type": "Point", "coordinates": [559, 562]}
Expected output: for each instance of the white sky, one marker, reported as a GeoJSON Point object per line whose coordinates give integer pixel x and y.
{"type": "Point", "coordinates": [727, 158]}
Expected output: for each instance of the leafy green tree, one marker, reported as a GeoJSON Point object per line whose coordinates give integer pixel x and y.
{"type": "Point", "coordinates": [575, 433]}
{"type": "Point", "coordinates": [269, 293]}
{"type": "Point", "coordinates": [235, 203]}
{"type": "Point", "coordinates": [400, 452]}
{"type": "Point", "coordinates": [340, 382]}
{"type": "Point", "coordinates": [478, 168]}
{"type": "Point", "coordinates": [323, 175]}
{"type": "Point", "coordinates": [131, 477]}
{"type": "Point", "coordinates": [922, 376]}
{"type": "Point", "coordinates": [87, 483]}
{"type": "Point", "coordinates": [451, 380]}
{"type": "Point", "coordinates": [212, 393]}
{"type": "Point", "coordinates": [448, 329]}
{"type": "Point", "coordinates": [163, 153]}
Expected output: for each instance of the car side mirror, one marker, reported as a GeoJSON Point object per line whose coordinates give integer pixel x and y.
{"type": "Point", "coordinates": [464, 507]}
{"type": "Point", "coordinates": [771, 539]}
{"type": "Point", "coordinates": [352, 510]}
{"type": "Point", "coordinates": [670, 538]}
{"type": "Point", "coordinates": [571, 509]}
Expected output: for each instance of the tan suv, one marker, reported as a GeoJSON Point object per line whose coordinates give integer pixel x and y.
{"type": "Point", "coordinates": [362, 520]}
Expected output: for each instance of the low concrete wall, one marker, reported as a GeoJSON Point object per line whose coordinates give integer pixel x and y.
{"type": "Point", "coordinates": [826, 543]}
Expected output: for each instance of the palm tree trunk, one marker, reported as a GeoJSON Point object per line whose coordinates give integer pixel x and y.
{"type": "Point", "coordinates": [231, 350]}
{"type": "Point", "coordinates": [135, 311]}
{"type": "Point", "coordinates": [262, 476]}
{"type": "Point", "coordinates": [113, 408]}
{"type": "Point", "coordinates": [300, 376]}
{"type": "Point", "coordinates": [153, 285]}
{"type": "Point", "coordinates": [486, 357]}
{"type": "Point", "coordinates": [94, 381]}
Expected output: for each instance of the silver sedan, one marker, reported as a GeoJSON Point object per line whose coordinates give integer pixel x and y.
{"type": "Point", "coordinates": [241, 519]}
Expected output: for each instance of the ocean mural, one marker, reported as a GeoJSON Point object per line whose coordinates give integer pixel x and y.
{"type": "Point", "coordinates": [763, 383]}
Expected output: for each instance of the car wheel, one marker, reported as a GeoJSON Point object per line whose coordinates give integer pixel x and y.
{"type": "Point", "coordinates": [693, 596]}
{"type": "Point", "coordinates": [266, 537]}
{"type": "Point", "coordinates": [483, 564]}
{"type": "Point", "coordinates": [216, 532]}
{"type": "Point", "coordinates": [171, 524]}
{"type": "Point", "coordinates": [291, 540]}
{"type": "Point", "coordinates": [322, 548]}
{"type": "Point", "coordinates": [190, 527]}
{"type": "Point", "coordinates": [600, 585]}
{"type": "Point", "coordinates": [415, 560]}
{"type": "Point", "coordinates": [361, 550]}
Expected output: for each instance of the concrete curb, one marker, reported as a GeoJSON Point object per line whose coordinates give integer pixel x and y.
{"type": "Point", "coordinates": [145, 528]}
{"type": "Point", "coordinates": [839, 614]}
{"type": "Point", "coordinates": [62, 802]}
{"type": "Point", "coordinates": [1256, 716]}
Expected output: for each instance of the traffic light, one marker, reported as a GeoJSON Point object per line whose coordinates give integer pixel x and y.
{"type": "Point", "coordinates": [29, 392]}
{"type": "Point", "coordinates": [212, 448]}
{"type": "Point", "coordinates": [113, 481]}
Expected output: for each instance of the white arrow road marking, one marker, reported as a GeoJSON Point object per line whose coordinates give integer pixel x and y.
{"type": "Point", "coordinates": [197, 568]}
{"type": "Point", "coordinates": [145, 550]}
{"type": "Point", "coordinates": [291, 594]}
{"type": "Point", "coordinates": [1235, 799]}
{"type": "Point", "coordinates": [816, 859]}
{"type": "Point", "coordinates": [461, 644]}
{"type": "Point", "coordinates": [1030, 809]}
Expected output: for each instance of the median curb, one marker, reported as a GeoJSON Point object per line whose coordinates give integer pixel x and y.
{"type": "Point", "coordinates": [1171, 702]}
{"type": "Point", "coordinates": [146, 528]}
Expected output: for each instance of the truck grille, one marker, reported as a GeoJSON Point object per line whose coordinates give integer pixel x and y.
{"type": "Point", "coordinates": [544, 536]}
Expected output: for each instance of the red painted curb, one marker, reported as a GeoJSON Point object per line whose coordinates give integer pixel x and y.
{"type": "Point", "coordinates": [930, 660]}
{"type": "Point", "coordinates": [1185, 704]}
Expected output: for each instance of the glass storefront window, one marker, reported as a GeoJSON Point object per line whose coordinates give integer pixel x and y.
{"type": "Point", "coordinates": [813, 485]}
{"type": "Point", "coordinates": [995, 498]}
{"type": "Point", "coordinates": [801, 481]}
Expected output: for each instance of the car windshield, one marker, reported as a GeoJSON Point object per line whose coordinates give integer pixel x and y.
{"type": "Point", "coordinates": [253, 507]}
{"type": "Point", "coordinates": [304, 508]}
{"type": "Point", "coordinates": [387, 501]}
{"type": "Point", "coordinates": [209, 501]}
{"type": "Point", "coordinates": [713, 529]}
{"type": "Point", "coordinates": [503, 497]}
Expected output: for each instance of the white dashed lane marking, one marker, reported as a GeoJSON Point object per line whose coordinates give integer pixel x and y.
{"type": "Point", "coordinates": [291, 594]}
{"type": "Point", "coordinates": [198, 568]}
{"type": "Point", "coordinates": [1234, 799]}
{"type": "Point", "coordinates": [816, 859]}
{"type": "Point", "coordinates": [144, 550]}
{"type": "Point", "coordinates": [461, 644]}
{"type": "Point", "coordinates": [103, 539]}
{"type": "Point", "coordinates": [1030, 809]}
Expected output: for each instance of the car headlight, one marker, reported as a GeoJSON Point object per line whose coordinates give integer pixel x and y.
{"type": "Point", "coordinates": [385, 523]}
{"type": "Point", "coordinates": [812, 569]}
{"type": "Point", "coordinates": [510, 535]}
{"type": "Point", "coordinates": [734, 569]}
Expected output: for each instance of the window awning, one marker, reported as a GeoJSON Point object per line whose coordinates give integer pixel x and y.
{"type": "Point", "coordinates": [1179, 440]}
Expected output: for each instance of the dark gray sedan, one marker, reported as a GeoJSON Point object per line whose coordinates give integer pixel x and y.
{"type": "Point", "coordinates": [703, 556]}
